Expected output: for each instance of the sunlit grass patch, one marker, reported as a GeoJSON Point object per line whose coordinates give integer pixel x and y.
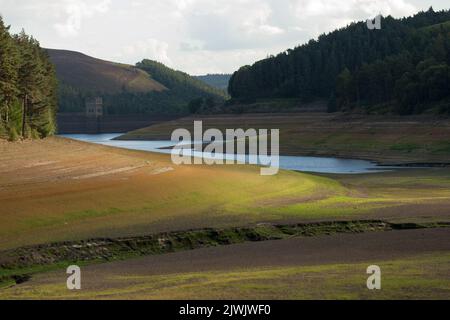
{"type": "Point", "coordinates": [56, 208]}
{"type": "Point", "coordinates": [336, 206]}
{"type": "Point", "coordinates": [421, 277]}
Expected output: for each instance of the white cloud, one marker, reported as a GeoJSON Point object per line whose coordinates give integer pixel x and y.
{"type": "Point", "coordinates": [351, 8]}
{"type": "Point", "coordinates": [204, 61]}
{"type": "Point", "coordinates": [75, 12]}
{"type": "Point", "coordinates": [151, 49]}
{"type": "Point", "coordinates": [257, 22]}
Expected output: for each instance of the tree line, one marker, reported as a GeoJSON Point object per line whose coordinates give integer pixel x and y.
{"type": "Point", "coordinates": [402, 68]}
{"type": "Point", "coordinates": [28, 87]}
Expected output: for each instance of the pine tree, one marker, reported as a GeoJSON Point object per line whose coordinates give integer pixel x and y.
{"type": "Point", "coordinates": [8, 73]}
{"type": "Point", "coordinates": [28, 78]}
{"type": "Point", "coordinates": [27, 87]}
{"type": "Point", "coordinates": [343, 88]}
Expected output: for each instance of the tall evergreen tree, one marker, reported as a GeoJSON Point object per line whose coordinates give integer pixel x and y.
{"type": "Point", "coordinates": [27, 87]}
{"type": "Point", "coordinates": [8, 73]}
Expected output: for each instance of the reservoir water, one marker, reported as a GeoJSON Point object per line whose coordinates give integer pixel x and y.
{"type": "Point", "coordinates": [297, 163]}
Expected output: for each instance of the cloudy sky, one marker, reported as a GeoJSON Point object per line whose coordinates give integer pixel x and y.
{"type": "Point", "coordinates": [196, 36]}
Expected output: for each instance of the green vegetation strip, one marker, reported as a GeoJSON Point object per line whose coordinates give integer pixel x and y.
{"type": "Point", "coordinates": [17, 266]}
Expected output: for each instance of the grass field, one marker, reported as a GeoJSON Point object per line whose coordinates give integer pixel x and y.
{"type": "Point", "coordinates": [58, 190]}
{"type": "Point", "coordinates": [326, 267]}
{"type": "Point", "coordinates": [418, 139]}
{"type": "Point", "coordinates": [424, 277]}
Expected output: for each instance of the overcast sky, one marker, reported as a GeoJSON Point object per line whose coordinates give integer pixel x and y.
{"type": "Point", "coordinates": [196, 36]}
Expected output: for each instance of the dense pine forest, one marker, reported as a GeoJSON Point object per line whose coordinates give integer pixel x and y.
{"type": "Point", "coordinates": [28, 87]}
{"type": "Point", "coordinates": [403, 68]}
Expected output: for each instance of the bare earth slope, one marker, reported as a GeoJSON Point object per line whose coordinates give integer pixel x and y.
{"type": "Point", "coordinates": [59, 189]}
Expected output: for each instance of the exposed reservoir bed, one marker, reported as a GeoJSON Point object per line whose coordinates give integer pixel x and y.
{"type": "Point", "coordinates": [295, 163]}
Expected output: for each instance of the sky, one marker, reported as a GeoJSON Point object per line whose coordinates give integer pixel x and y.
{"type": "Point", "coordinates": [195, 36]}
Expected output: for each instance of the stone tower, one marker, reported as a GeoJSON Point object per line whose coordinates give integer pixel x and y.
{"type": "Point", "coordinates": [94, 107]}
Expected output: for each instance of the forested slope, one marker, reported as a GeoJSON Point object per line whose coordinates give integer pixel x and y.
{"type": "Point", "coordinates": [402, 68]}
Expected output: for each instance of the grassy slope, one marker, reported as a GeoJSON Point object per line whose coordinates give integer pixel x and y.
{"type": "Point", "coordinates": [419, 277]}
{"type": "Point", "coordinates": [58, 189]}
{"type": "Point", "coordinates": [90, 74]}
{"type": "Point", "coordinates": [343, 281]}
{"type": "Point", "coordinates": [388, 140]}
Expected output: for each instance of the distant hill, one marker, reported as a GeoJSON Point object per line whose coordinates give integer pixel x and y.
{"type": "Point", "coordinates": [179, 81]}
{"type": "Point", "coordinates": [147, 88]}
{"type": "Point", "coordinates": [216, 80]}
{"type": "Point", "coordinates": [403, 68]}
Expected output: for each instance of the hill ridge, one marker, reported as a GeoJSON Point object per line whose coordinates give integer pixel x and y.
{"type": "Point", "coordinates": [149, 87]}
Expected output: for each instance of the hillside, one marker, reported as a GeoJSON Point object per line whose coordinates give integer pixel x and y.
{"type": "Point", "coordinates": [147, 88]}
{"type": "Point", "coordinates": [90, 74]}
{"type": "Point", "coordinates": [178, 81]}
{"type": "Point", "coordinates": [402, 68]}
{"type": "Point", "coordinates": [219, 81]}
